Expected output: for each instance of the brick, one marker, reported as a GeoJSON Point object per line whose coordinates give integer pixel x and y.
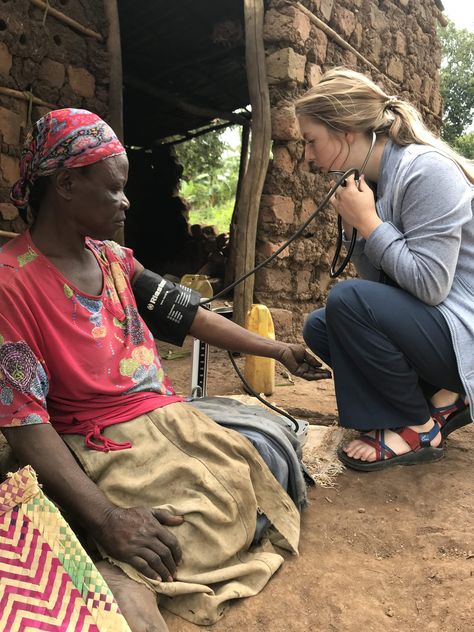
{"type": "Point", "coordinates": [303, 279]}
{"type": "Point", "coordinates": [9, 168]}
{"type": "Point", "coordinates": [320, 46]}
{"type": "Point", "coordinates": [308, 207]}
{"type": "Point", "coordinates": [81, 81]}
{"type": "Point", "coordinates": [273, 280]}
{"type": "Point", "coordinates": [8, 211]}
{"type": "Point", "coordinates": [283, 322]}
{"type": "Point", "coordinates": [10, 123]}
{"type": "Point", "coordinates": [395, 69]}
{"type": "Point", "coordinates": [302, 25]}
{"type": "Point", "coordinates": [326, 8]}
{"type": "Point", "coordinates": [400, 43]}
{"type": "Point", "coordinates": [427, 89]}
{"type": "Point", "coordinates": [345, 21]}
{"type": "Point", "coordinates": [415, 84]}
{"type": "Point", "coordinates": [314, 74]}
{"type": "Point", "coordinates": [285, 65]}
{"type": "Point", "coordinates": [378, 20]}
{"type": "Point", "coordinates": [357, 36]}
{"type": "Point", "coordinates": [277, 208]}
{"type": "Point", "coordinates": [282, 159]}
{"type": "Point", "coordinates": [52, 73]}
{"type": "Point", "coordinates": [436, 103]}
{"type": "Point", "coordinates": [267, 248]}
{"type": "Point", "coordinates": [293, 27]}
{"type": "Point", "coordinates": [284, 124]}
{"type": "Point", "coordinates": [6, 60]}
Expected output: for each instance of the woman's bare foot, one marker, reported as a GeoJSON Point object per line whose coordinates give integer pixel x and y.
{"type": "Point", "coordinates": [360, 450]}
{"type": "Point", "coordinates": [138, 604]}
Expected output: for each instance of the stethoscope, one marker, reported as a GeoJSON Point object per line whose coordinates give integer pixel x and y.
{"type": "Point", "coordinates": [341, 181]}
{"type": "Point", "coordinates": [333, 271]}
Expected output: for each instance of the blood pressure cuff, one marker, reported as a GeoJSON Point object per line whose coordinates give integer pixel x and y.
{"type": "Point", "coordinates": [167, 308]}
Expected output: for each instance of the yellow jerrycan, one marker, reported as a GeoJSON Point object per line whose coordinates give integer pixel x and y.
{"type": "Point", "coordinates": [260, 372]}
{"type": "Point", "coordinates": [199, 283]}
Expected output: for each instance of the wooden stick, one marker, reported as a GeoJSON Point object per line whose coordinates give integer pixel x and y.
{"type": "Point", "coordinates": [8, 234]}
{"type": "Point", "coordinates": [337, 38]}
{"type": "Point", "coordinates": [26, 96]}
{"type": "Point", "coordinates": [253, 180]}
{"type": "Point", "coordinates": [67, 20]}
{"type": "Point", "coordinates": [191, 108]}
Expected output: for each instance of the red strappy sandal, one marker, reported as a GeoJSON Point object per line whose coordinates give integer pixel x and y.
{"type": "Point", "coordinates": [420, 443]}
{"type": "Point", "coordinates": [453, 417]}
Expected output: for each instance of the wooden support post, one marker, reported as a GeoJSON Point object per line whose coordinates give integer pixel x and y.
{"type": "Point", "coordinates": [253, 180]}
{"type": "Point", "coordinates": [244, 156]}
{"type": "Point", "coordinates": [114, 49]}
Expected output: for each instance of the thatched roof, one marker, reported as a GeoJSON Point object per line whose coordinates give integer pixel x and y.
{"type": "Point", "coordinates": [179, 54]}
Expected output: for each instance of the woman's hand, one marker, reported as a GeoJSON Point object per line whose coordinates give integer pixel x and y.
{"type": "Point", "coordinates": [356, 205]}
{"type": "Point", "coordinates": [137, 536]}
{"type": "Point", "coordinates": [301, 363]}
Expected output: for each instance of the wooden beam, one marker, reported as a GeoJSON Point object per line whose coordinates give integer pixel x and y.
{"type": "Point", "coordinates": [185, 106]}
{"type": "Point", "coordinates": [253, 180]}
{"type": "Point", "coordinates": [65, 19]}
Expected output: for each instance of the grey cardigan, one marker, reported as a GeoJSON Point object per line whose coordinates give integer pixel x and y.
{"type": "Point", "coordinates": [426, 241]}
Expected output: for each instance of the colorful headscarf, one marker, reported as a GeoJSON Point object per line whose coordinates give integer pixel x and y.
{"type": "Point", "coordinates": [65, 138]}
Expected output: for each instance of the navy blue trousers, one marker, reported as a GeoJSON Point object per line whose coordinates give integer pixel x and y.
{"type": "Point", "coordinates": [389, 353]}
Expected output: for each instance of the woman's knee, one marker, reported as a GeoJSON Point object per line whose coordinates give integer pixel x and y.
{"type": "Point", "coordinates": [314, 329]}
{"type": "Point", "coordinates": [344, 296]}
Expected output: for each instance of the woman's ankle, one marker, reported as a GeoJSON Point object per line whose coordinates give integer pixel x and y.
{"type": "Point", "coordinates": [444, 398]}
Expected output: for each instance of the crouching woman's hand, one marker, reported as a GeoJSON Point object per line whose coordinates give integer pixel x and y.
{"type": "Point", "coordinates": [139, 537]}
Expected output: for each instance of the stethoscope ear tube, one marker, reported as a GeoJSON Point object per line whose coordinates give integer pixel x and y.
{"type": "Point", "coordinates": [333, 271]}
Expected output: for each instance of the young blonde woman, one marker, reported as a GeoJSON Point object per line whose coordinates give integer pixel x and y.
{"type": "Point", "coordinates": [400, 339]}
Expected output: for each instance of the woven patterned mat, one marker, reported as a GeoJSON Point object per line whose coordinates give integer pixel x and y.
{"type": "Point", "coordinates": [47, 580]}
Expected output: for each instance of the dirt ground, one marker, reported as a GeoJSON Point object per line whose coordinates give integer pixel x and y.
{"type": "Point", "coordinates": [390, 550]}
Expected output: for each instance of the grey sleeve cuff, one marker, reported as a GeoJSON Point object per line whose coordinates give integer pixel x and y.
{"type": "Point", "coordinates": [359, 245]}
{"type": "Point", "coordinates": [379, 240]}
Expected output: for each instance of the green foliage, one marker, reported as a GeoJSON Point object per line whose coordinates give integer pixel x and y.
{"type": "Point", "coordinates": [210, 177]}
{"type": "Point", "coordinates": [465, 145]}
{"type": "Point", "coordinates": [457, 82]}
{"type": "Point", "coordinates": [200, 155]}
{"type": "Point", "coordinates": [219, 216]}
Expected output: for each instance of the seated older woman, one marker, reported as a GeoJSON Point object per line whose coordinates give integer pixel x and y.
{"type": "Point", "coordinates": [168, 495]}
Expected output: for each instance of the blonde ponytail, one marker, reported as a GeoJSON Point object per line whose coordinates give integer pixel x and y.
{"type": "Point", "coordinates": [346, 100]}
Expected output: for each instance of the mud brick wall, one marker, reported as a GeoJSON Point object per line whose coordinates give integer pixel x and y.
{"type": "Point", "coordinates": [399, 38]}
{"type": "Point", "coordinates": [57, 64]}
